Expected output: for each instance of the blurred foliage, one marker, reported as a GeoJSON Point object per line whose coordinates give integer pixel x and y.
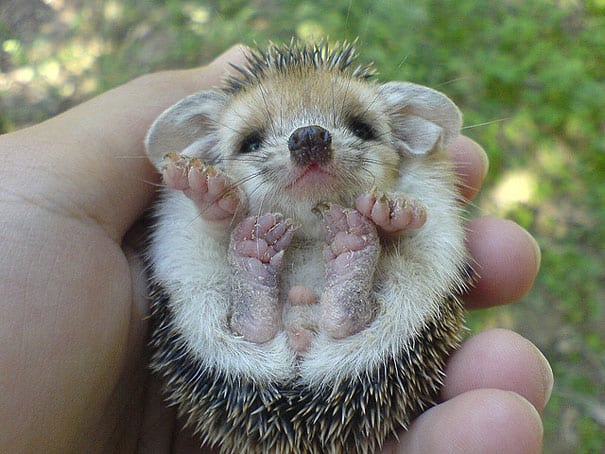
{"type": "Point", "coordinates": [529, 77]}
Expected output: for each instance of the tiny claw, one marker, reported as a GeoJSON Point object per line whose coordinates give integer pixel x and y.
{"type": "Point", "coordinates": [321, 208]}
{"type": "Point", "coordinates": [197, 163]}
{"type": "Point", "coordinates": [171, 155]}
{"type": "Point", "coordinates": [210, 170]}
{"type": "Point", "coordinates": [287, 222]}
{"type": "Point", "coordinates": [294, 226]}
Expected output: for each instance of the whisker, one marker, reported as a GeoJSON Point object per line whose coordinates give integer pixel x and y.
{"type": "Point", "coordinates": [333, 111]}
{"type": "Point", "coordinates": [500, 120]}
{"type": "Point", "coordinates": [371, 104]}
{"type": "Point", "coordinates": [263, 92]}
{"type": "Point", "coordinates": [451, 81]}
{"type": "Point", "coordinates": [221, 124]}
{"type": "Point", "coordinates": [248, 125]}
{"type": "Point", "coordinates": [402, 62]}
{"type": "Point", "coordinates": [243, 158]}
{"type": "Point", "coordinates": [132, 157]}
{"type": "Point", "coordinates": [235, 185]}
{"type": "Point", "coordinates": [349, 6]}
{"type": "Point", "coordinates": [153, 183]}
{"type": "Point", "coordinates": [345, 96]}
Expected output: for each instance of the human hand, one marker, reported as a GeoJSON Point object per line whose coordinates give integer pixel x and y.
{"type": "Point", "coordinates": [73, 375]}
{"type": "Point", "coordinates": [497, 383]}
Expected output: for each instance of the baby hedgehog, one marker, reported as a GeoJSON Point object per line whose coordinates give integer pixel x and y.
{"type": "Point", "coordinates": [306, 255]}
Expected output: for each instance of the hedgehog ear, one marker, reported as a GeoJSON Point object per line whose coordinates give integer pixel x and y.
{"type": "Point", "coordinates": [188, 128]}
{"type": "Point", "coordinates": [422, 119]}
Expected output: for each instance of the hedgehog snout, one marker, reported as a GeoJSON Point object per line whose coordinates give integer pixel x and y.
{"type": "Point", "coordinates": [310, 145]}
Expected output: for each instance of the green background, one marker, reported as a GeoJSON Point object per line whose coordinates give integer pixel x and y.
{"type": "Point", "coordinates": [529, 77]}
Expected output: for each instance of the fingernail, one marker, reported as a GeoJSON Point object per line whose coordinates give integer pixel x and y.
{"type": "Point", "coordinates": [535, 248]}
{"type": "Point", "coordinates": [548, 378]}
{"type": "Point", "coordinates": [483, 158]}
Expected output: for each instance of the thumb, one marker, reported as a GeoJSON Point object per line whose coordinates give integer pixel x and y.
{"type": "Point", "coordinates": [91, 159]}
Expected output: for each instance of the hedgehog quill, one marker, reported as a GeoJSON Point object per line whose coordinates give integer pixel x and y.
{"type": "Point", "coordinates": [307, 254]}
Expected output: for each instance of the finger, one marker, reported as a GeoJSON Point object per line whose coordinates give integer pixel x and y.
{"type": "Point", "coordinates": [500, 359]}
{"type": "Point", "coordinates": [186, 442]}
{"type": "Point", "coordinates": [123, 115]}
{"type": "Point", "coordinates": [480, 421]}
{"type": "Point", "coordinates": [470, 164]}
{"type": "Point", "coordinates": [92, 159]}
{"type": "Point", "coordinates": [159, 422]}
{"type": "Point", "coordinates": [506, 258]}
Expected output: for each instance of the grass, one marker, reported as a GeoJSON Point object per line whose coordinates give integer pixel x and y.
{"type": "Point", "coordinates": [529, 76]}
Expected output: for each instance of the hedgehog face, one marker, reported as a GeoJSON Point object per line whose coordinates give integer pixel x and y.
{"type": "Point", "coordinates": [300, 148]}
{"type": "Point", "coordinates": [298, 126]}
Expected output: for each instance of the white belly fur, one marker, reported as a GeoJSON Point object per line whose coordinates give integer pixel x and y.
{"type": "Point", "coordinates": [412, 280]}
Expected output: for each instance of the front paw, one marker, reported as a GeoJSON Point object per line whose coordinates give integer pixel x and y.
{"type": "Point", "coordinates": [393, 213]}
{"type": "Point", "coordinates": [209, 188]}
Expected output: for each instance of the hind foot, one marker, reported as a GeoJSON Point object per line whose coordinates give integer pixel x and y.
{"type": "Point", "coordinates": [255, 254]}
{"type": "Point", "coordinates": [206, 186]}
{"type": "Point", "coordinates": [393, 213]}
{"type": "Point", "coordinates": [351, 254]}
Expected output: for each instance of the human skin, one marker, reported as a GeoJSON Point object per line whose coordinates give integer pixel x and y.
{"type": "Point", "coordinates": [73, 375]}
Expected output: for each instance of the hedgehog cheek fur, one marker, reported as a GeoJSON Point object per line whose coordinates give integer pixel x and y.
{"type": "Point", "coordinates": [341, 393]}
